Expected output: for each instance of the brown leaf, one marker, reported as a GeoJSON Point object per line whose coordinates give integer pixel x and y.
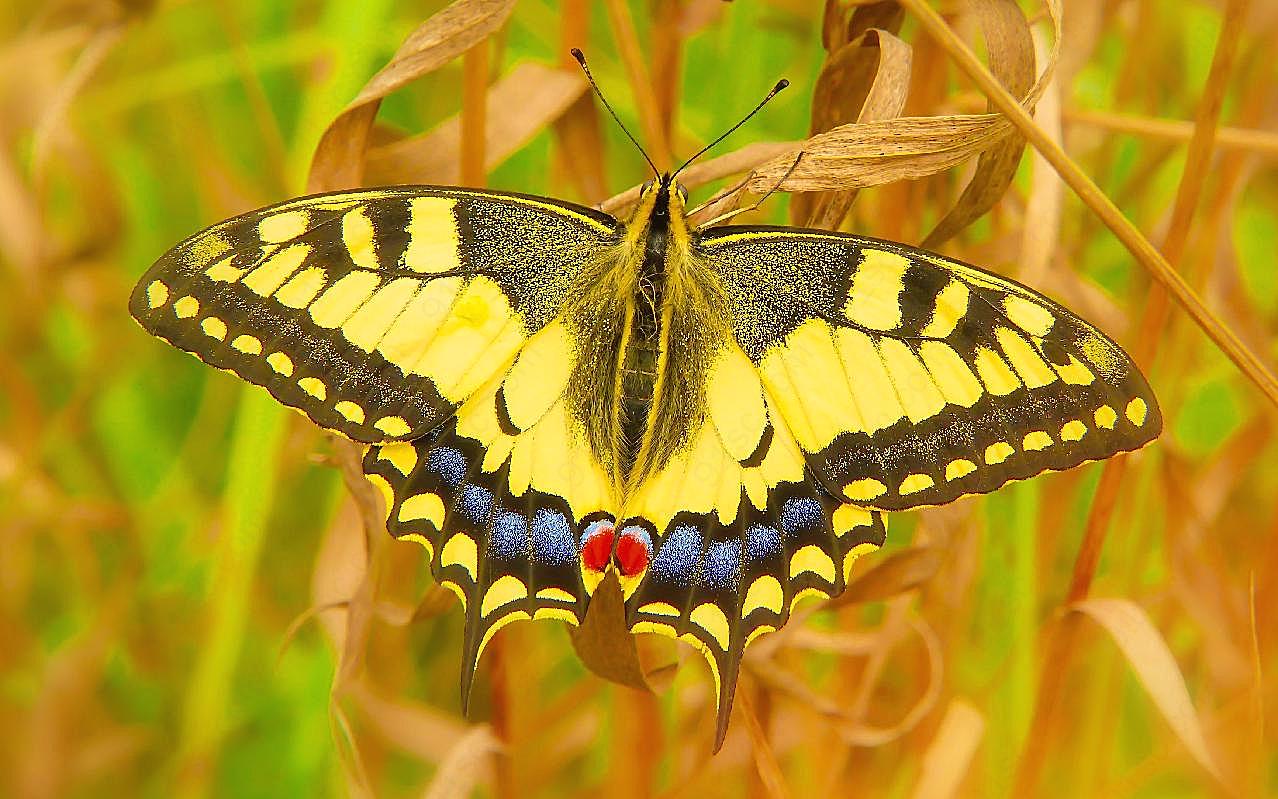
{"type": "Point", "coordinates": [1011, 57]}
{"type": "Point", "coordinates": [519, 106]}
{"type": "Point", "coordinates": [897, 573]}
{"type": "Point", "coordinates": [734, 163]}
{"type": "Point", "coordinates": [1150, 658]}
{"type": "Point", "coordinates": [604, 643]}
{"type": "Point", "coordinates": [870, 154]}
{"type": "Point", "coordinates": [339, 158]}
{"type": "Point", "coordinates": [838, 27]}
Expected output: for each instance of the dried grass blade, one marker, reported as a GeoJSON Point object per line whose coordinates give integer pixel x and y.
{"type": "Point", "coordinates": [1041, 231]}
{"type": "Point", "coordinates": [579, 151]}
{"type": "Point", "coordinates": [1099, 203]}
{"type": "Point", "coordinates": [950, 753]}
{"type": "Point", "coordinates": [95, 52]}
{"type": "Point", "coordinates": [765, 760]}
{"type": "Point", "coordinates": [361, 608]}
{"type": "Point", "coordinates": [1011, 59]}
{"type": "Point", "coordinates": [1261, 143]}
{"type": "Point", "coordinates": [851, 728]}
{"type": "Point", "coordinates": [641, 86]}
{"type": "Point", "coordinates": [519, 106]}
{"type": "Point", "coordinates": [339, 158]}
{"type": "Point", "coordinates": [1152, 661]}
{"type": "Point", "coordinates": [474, 114]}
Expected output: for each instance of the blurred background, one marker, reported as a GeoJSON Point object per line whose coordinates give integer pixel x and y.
{"type": "Point", "coordinates": [191, 605]}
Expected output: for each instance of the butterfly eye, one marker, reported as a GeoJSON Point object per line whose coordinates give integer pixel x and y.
{"type": "Point", "coordinates": [647, 185]}
{"type": "Point", "coordinates": [683, 191]}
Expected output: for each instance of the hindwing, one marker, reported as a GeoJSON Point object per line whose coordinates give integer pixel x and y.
{"type": "Point", "coordinates": [739, 530]}
{"type": "Point", "coordinates": [378, 312]}
{"type": "Point", "coordinates": [501, 495]}
{"type": "Point", "coordinates": [911, 379]}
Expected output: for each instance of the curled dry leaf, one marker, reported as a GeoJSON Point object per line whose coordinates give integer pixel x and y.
{"type": "Point", "coordinates": [412, 727]}
{"type": "Point", "coordinates": [873, 153]}
{"type": "Point", "coordinates": [895, 574]}
{"type": "Point", "coordinates": [854, 730]}
{"type": "Point", "coordinates": [845, 89]}
{"type": "Point", "coordinates": [869, 154]}
{"type": "Point", "coordinates": [519, 105]}
{"type": "Point", "coordinates": [1011, 59]}
{"type": "Point", "coordinates": [949, 755]}
{"type": "Point", "coordinates": [464, 767]}
{"type": "Point", "coordinates": [1152, 661]}
{"type": "Point", "coordinates": [339, 158]}
{"type": "Point", "coordinates": [874, 73]}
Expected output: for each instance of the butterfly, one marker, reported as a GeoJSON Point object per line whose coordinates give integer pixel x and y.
{"type": "Point", "coordinates": [716, 418]}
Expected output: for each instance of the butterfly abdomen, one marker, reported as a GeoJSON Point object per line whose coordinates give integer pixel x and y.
{"type": "Point", "coordinates": [640, 361]}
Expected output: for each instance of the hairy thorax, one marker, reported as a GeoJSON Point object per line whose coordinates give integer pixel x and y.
{"type": "Point", "coordinates": [652, 318]}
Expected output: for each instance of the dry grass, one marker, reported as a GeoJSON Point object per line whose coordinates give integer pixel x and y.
{"type": "Point", "coordinates": [196, 597]}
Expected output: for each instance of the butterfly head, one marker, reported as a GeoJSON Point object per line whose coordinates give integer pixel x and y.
{"type": "Point", "coordinates": [662, 199]}
{"type": "Point", "coordinates": [664, 190]}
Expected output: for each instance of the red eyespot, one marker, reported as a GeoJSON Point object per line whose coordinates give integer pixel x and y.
{"type": "Point", "coordinates": [597, 548]}
{"type": "Point", "coordinates": [632, 551]}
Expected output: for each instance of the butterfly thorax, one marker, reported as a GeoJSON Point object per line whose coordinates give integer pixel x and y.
{"type": "Point", "coordinates": [653, 316]}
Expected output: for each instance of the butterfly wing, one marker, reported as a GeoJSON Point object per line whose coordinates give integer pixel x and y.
{"type": "Point", "coordinates": [500, 495]}
{"type": "Point", "coordinates": [740, 532]}
{"type": "Point", "coordinates": [910, 379]}
{"type": "Point", "coordinates": [377, 313]}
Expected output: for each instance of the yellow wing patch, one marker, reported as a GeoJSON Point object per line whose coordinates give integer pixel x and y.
{"type": "Point", "coordinates": [909, 379]}
{"type": "Point", "coordinates": [377, 313]}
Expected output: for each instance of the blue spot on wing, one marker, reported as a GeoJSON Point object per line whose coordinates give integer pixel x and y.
{"type": "Point", "coordinates": [762, 542]}
{"type": "Point", "coordinates": [800, 515]}
{"type": "Point", "coordinates": [552, 539]}
{"type": "Point", "coordinates": [722, 567]}
{"type": "Point", "coordinates": [448, 464]}
{"type": "Point", "coordinates": [508, 539]}
{"type": "Point", "coordinates": [678, 557]}
{"type": "Point", "coordinates": [475, 503]}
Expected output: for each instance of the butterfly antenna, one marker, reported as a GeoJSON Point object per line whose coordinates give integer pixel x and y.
{"type": "Point", "coordinates": [781, 84]}
{"type": "Point", "coordinates": [581, 59]}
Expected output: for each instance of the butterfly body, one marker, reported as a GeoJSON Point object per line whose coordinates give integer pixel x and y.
{"type": "Point", "coordinates": [718, 417]}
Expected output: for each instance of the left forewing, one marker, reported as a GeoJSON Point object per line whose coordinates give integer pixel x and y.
{"type": "Point", "coordinates": [378, 312]}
